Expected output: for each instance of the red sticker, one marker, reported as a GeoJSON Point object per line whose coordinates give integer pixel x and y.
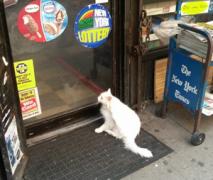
{"type": "Point", "coordinates": [42, 20]}
{"type": "Point", "coordinates": [29, 23]}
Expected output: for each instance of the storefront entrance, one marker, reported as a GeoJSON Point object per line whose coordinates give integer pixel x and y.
{"type": "Point", "coordinates": [58, 70]}
{"type": "Point", "coordinates": [56, 57]}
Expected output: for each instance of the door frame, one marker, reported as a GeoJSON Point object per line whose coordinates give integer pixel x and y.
{"type": "Point", "coordinates": [131, 59]}
{"type": "Point", "coordinates": [5, 51]}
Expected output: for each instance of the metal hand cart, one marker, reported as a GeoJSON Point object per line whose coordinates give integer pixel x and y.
{"type": "Point", "coordinates": [186, 80]}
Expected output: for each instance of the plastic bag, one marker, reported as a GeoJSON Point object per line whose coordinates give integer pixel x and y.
{"type": "Point", "coordinates": [166, 30]}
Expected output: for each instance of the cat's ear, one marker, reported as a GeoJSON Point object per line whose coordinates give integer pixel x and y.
{"type": "Point", "coordinates": [108, 102]}
{"type": "Point", "coordinates": [109, 98]}
{"type": "Point", "coordinates": [109, 91]}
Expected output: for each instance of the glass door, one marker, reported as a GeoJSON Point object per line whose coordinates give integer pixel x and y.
{"type": "Point", "coordinates": [62, 53]}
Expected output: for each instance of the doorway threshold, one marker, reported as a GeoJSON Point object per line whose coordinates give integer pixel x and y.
{"type": "Point", "coordinates": [61, 131]}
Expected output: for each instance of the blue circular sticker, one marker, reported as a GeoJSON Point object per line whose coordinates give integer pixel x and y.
{"type": "Point", "coordinates": [93, 25]}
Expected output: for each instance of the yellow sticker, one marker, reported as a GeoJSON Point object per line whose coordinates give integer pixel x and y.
{"type": "Point", "coordinates": [194, 7]}
{"type": "Point", "coordinates": [25, 75]}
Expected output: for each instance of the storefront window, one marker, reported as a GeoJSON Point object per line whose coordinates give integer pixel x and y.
{"type": "Point", "coordinates": [67, 74]}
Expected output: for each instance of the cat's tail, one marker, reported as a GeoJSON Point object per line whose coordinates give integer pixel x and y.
{"type": "Point", "coordinates": [132, 146]}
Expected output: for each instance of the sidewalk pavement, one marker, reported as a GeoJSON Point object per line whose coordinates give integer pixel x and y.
{"type": "Point", "coordinates": [187, 162]}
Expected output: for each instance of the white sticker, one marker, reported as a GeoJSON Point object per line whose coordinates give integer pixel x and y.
{"type": "Point", "coordinates": [30, 103]}
{"type": "Point", "coordinates": [101, 1]}
{"type": "Point", "coordinates": [13, 145]}
{"type": "Point", "coordinates": [32, 8]}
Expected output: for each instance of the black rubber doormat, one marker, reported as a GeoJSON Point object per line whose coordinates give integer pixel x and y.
{"type": "Point", "coordinates": [85, 155]}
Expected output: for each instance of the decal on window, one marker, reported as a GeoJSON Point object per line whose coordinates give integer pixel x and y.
{"type": "Point", "coordinates": [93, 25]}
{"type": "Point", "coordinates": [42, 20]}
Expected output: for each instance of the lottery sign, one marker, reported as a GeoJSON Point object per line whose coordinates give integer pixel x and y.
{"type": "Point", "coordinates": [93, 25]}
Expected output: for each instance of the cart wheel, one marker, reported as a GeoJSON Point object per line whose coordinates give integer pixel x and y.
{"type": "Point", "coordinates": [197, 138]}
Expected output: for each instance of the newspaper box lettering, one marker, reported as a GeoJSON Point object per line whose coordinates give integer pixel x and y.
{"type": "Point", "coordinates": [185, 81]}
{"type": "Point", "coordinates": [93, 25]}
{"type": "Point", "coordinates": [13, 145]}
{"type": "Point", "coordinates": [187, 87]}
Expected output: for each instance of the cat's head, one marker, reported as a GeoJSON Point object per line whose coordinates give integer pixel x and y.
{"type": "Point", "coordinates": [105, 98]}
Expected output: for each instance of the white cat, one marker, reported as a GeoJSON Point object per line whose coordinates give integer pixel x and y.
{"type": "Point", "coordinates": [121, 122]}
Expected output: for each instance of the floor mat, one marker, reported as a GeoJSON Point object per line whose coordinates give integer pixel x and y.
{"type": "Point", "coordinates": [83, 154]}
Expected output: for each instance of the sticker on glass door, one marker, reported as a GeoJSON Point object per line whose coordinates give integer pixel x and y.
{"type": "Point", "coordinates": [27, 89]}
{"type": "Point", "coordinates": [93, 25]}
{"type": "Point", "coordinates": [42, 20]}
{"type": "Point", "coordinates": [13, 145]}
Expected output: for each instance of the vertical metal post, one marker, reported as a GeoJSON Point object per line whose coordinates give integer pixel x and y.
{"type": "Point", "coordinates": [163, 112]}
{"type": "Point", "coordinates": [204, 82]}
{"type": "Point", "coordinates": [131, 40]}
{"type": "Point", "coordinates": [178, 9]}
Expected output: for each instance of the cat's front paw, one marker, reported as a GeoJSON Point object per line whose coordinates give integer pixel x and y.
{"type": "Point", "coordinates": [147, 153]}
{"type": "Point", "coordinates": [98, 130]}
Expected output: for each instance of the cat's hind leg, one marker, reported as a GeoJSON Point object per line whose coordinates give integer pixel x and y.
{"type": "Point", "coordinates": [114, 132]}
{"type": "Point", "coordinates": [110, 132]}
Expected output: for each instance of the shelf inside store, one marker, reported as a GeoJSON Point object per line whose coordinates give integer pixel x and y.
{"type": "Point", "coordinates": [156, 8]}
{"type": "Point", "coordinates": [153, 43]}
{"type": "Point", "coordinates": [156, 54]}
{"type": "Point", "coordinates": [159, 11]}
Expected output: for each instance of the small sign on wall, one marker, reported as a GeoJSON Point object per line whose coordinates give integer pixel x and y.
{"type": "Point", "coordinates": [101, 1]}
{"type": "Point", "coordinates": [194, 7]}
